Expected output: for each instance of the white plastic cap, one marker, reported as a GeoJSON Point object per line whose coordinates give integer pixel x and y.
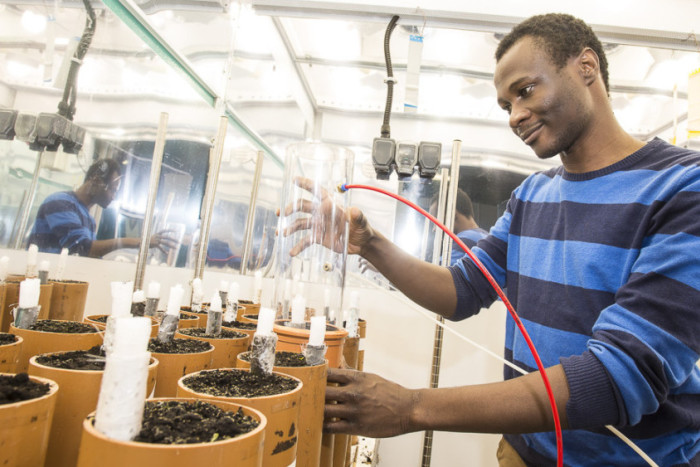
{"type": "Point", "coordinates": [266, 321]}
{"type": "Point", "coordinates": [29, 293]}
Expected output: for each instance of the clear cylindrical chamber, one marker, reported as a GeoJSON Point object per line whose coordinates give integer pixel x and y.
{"type": "Point", "coordinates": [318, 272]}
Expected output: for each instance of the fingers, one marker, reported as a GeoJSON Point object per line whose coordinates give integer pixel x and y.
{"type": "Point", "coordinates": [338, 426]}
{"type": "Point", "coordinates": [301, 246]}
{"type": "Point", "coordinates": [300, 205]}
{"type": "Point", "coordinates": [310, 186]}
{"type": "Point", "coordinates": [298, 224]}
{"type": "Point", "coordinates": [341, 376]}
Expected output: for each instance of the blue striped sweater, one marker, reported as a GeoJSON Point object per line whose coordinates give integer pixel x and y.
{"type": "Point", "coordinates": [62, 221]}
{"type": "Point", "coordinates": [604, 270]}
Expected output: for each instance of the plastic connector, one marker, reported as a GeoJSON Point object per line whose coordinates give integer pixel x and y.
{"type": "Point", "coordinates": [383, 151]}
{"type": "Point", "coordinates": [51, 129]}
{"type": "Point", "coordinates": [25, 127]}
{"type": "Point", "coordinates": [74, 140]}
{"type": "Point", "coordinates": [406, 159]}
{"type": "Point", "coordinates": [7, 123]}
{"type": "Point", "coordinates": [429, 155]}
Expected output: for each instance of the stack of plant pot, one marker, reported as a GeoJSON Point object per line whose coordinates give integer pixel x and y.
{"type": "Point", "coordinates": [47, 336]}
{"type": "Point", "coordinates": [226, 346]}
{"type": "Point", "coordinates": [26, 411]}
{"type": "Point", "coordinates": [162, 446]}
{"type": "Point", "coordinates": [12, 299]}
{"type": "Point", "coordinates": [292, 339]}
{"type": "Point", "coordinates": [68, 298]}
{"type": "Point", "coordinates": [313, 378]}
{"type": "Point", "coordinates": [129, 429]}
{"type": "Point", "coordinates": [79, 375]}
{"type": "Point", "coordinates": [10, 347]}
{"type": "Point", "coordinates": [277, 396]}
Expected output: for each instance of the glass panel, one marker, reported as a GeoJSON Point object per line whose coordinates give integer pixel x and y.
{"type": "Point", "coordinates": [121, 89]}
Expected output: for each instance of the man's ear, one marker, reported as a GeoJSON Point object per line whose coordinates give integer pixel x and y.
{"type": "Point", "coordinates": [588, 65]}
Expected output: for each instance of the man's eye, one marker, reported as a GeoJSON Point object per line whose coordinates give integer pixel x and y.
{"type": "Point", "coordinates": [527, 90]}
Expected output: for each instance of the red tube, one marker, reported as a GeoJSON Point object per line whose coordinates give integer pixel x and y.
{"type": "Point", "coordinates": [502, 296]}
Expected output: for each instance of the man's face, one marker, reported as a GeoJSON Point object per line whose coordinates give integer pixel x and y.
{"type": "Point", "coordinates": [547, 106]}
{"type": "Point", "coordinates": [105, 192]}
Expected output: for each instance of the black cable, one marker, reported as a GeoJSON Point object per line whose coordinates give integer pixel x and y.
{"type": "Point", "coordinates": [386, 130]}
{"type": "Point", "coordinates": [66, 107]}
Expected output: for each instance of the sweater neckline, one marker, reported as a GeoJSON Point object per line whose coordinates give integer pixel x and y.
{"type": "Point", "coordinates": [619, 165]}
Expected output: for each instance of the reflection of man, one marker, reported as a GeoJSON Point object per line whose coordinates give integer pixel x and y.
{"type": "Point", "coordinates": [465, 227]}
{"type": "Point", "coordinates": [64, 220]}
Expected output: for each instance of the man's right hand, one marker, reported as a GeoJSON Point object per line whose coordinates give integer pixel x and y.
{"type": "Point", "coordinates": [327, 222]}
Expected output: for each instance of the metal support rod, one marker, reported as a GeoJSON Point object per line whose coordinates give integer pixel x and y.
{"type": "Point", "coordinates": [446, 254]}
{"type": "Point", "coordinates": [27, 206]}
{"type": "Point", "coordinates": [154, 180]}
{"type": "Point", "coordinates": [248, 235]}
{"type": "Point", "coordinates": [209, 196]}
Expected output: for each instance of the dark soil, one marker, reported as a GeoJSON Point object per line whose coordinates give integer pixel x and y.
{"type": "Point", "coordinates": [6, 338]}
{"type": "Point", "coordinates": [238, 383]}
{"type": "Point", "coordinates": [100, 319]}
{"type": "Point", "coordinates": [202, 332]}
{"type": "Point", "coordinates": [178, 346]}
{"type": "Point", "coordinates": [176, 422]}
{"type": "Point", "coordinates": [239, 325]}
{"type": "Point", "coordinates": [67, 281]}
{"type": "Point", "coordinates": [66, 327]}
{"type": "Point", "coordinates": [76, 360]}
{"type": "Point", "coordinates": [246, 302]}
{"type": "Point", "coordinates": [189, 309]}
{"type": "Point", "coordinates": [184, 316]}
{"type": "Point", "coordinates": [17, 388]}
{"type": "Point", "coordinates": [253, 317]}
{"type": "Point", "coordinates": [282, 358]}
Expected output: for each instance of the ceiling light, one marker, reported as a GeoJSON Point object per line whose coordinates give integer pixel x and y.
{"type": "Point", "coordinates": [33, 22]}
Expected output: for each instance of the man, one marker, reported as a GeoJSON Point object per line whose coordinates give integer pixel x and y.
{"type": "Point", "coordinates": [64, 221]}
{"type": "Point", "coordinates": [599, 257]}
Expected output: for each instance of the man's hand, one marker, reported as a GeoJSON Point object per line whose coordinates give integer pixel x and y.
{"type": "Point", "coordinates": [162, 241]}
{"type": "Point", "coordinates": [326, 222]}
{"type": "Point", "coordinates": [368, 405]}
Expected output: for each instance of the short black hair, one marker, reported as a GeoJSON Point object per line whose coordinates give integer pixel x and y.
{"type": "Point", "coordinates": [103, 169]}
{"type": "Point", "coordinates": [562, 36]}
{"type": "Point", "coordinates": [464, 204]}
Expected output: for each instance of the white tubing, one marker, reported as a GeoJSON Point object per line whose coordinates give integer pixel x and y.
{"type": "Point", "coordinates": [123, 390]}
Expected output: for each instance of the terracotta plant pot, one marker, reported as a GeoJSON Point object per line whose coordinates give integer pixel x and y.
{"type": "Point", "coordinates": [68, 300]}
{"type": "Point", "coordinates": [96, 320]}
{"type": "Point", "coordinates": [201, 316]}
{"type": "Point", "coordinates": [9, 355]}
{"type": "Point", "coordinates": [244, 451]}
{"type": "Point", "coordinates": [250, 307]}
{"type": "Point", "coordinates": [189, 320]}
{"type": "Point", "coordinates": [25, 427]}
{"type": "Point", "coordinates": [313, 393]}
{"type": "Point", "coordinates": [281, 411]}
{"type": "Point", "coordinates": [249, 332]}
{"type": "Point", "coordinates": [341, 443]}
{"type": "Point", "coordinates": [3, 302]}
{"type": "Point", "coordinates": [173, 366]}
{"type": "Point", "coordinates": [38, 342]}
{"type": "Point", "coordinates": [79, 391]}
{"type": "Point", "coordinates": [291, 340]}
{"type": "Point", "coordinates": [247, 318]}
{"type": "Point", "coordinates": [225, 349]}
{"type": "Point", "coordinates": [12, 299]}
